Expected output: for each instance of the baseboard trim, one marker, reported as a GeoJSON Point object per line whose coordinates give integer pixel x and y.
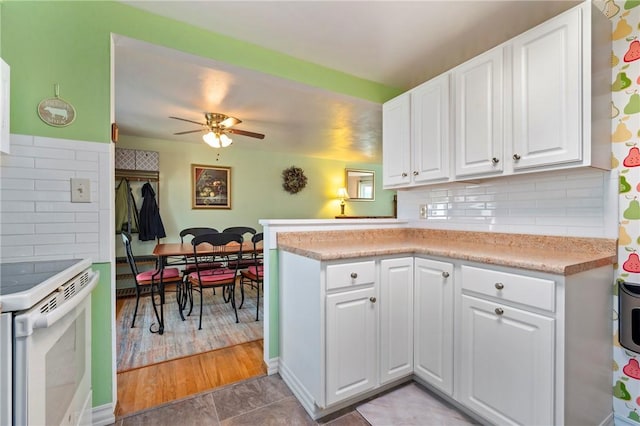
{"type": "Point", "coordinates": [103, 415]}
{"type": "Point", "coordinates": [272, 365]}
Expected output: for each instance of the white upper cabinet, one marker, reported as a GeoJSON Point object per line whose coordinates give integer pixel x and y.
{"type": "Point", "coordinates": [430, 125]}
{"type": "Point", "coordinates": [416, 134]}
{"type": "Point", "coordinates": [538, 102]}
{"type": "Point", "coordinates": [396, 137]}
{"type": "Point", "coordinates": [479, 99]}
{"type": "Point", "coordinates": [547, 93]}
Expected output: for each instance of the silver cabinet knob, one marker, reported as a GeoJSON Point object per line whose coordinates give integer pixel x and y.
{"type": "Point", "coordinates": [404, 175]}
{"type": "Point", "coordinates": [354, 275]}
{"type": "Point", "coordinates": [372, 299]}
{"type": "Point", "coordinates": [445, 274]}
{"type": "Point", "coordinates": [499, 286]}
{"type": "Point", "coordinates": [499, 311]}
{"type": "Point", "coordinates": [495, 160]}
{"type": "Point", "coordinates": [415, 173]}
{"type": "Point", "coordinates": [516, 157]}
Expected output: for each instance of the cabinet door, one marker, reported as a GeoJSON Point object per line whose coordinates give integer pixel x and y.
{"type": "Point", "coordinates": [547, 84]}
{"type": "Point", "coordinates": [4, 107]}
{"type": "Point", "coordinates": [351, 345]}
{"type": "Point", "coordinates": [507, 363]}
{"type": "Point", "coordinates": [396, 318]}
{"type": "Point", "coordinates": [433, 323]}
{"type": "Point", "coordinates": [396, 140]}
{"type": "Point", "coordinates": [479, 89]}
{"type": "Point", "coordinates": [430, 127]}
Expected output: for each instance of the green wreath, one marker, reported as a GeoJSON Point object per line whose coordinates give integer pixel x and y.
{"type": "Point", "coordinates": [293, 179]}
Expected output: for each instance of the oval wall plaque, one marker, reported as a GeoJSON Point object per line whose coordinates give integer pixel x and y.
{"type": "Point", "coordinates": [56, 112]}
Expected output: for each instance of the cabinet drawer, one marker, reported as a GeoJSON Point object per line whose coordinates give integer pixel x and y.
{"type": "Point", "coordinates": [350, 274]}
{"type": "Point", "coordinates": [536, 292]}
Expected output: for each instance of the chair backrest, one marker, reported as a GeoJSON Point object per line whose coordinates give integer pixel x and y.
{"type": "Point", "coordinates": [194, 232]}
{"type": "Point", "coordinates": [126, 239]}
{"type": "Point", "coordinates": [242, 230]}
{"type": "Point", "coordinates": [219, 242]}
{"type": "Point", "coordinates": [257, 254]}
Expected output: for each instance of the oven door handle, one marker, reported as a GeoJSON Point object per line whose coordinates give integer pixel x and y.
{"type": "Point", "coordinates": [34, 319]}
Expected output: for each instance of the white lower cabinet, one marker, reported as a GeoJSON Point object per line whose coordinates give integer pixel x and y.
{"type": "Point", "coordinates": [512, 346]}
{"type": "Point", "coordinates": [351, 343]}
{"type": "Point", "coordinates": [433, 323]}
{"type": "Point", "coordinates": [396, 318]}
{"type": "Point", "coordinates": [506, 363]}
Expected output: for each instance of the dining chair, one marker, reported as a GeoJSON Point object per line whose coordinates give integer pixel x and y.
{"type": "Point", "coordinates": [247, 233]}
{"type": "Point", "coordinates": [147, 279]}
{"type": "Point", "coordinates": [253, 275]}
{"type": "Point", "coordinates": [189, 262]}
{"type": "Point", "coordinates": [225, 248]}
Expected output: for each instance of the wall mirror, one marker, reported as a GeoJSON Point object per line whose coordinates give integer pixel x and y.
{"type": "Point", "coordinates": [360, 184]}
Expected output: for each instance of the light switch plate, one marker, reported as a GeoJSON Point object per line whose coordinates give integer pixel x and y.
{"type": "Point", "coordinates": [80, 190]}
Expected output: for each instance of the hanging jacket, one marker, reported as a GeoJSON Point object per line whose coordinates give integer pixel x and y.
{"type": "Point", "coordinates": [151, 226]}
{"type": "Point", "coordinates": [126, 213]}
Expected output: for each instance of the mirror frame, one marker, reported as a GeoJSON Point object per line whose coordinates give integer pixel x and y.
{"type": "Point", "coordinates": [346, 184]}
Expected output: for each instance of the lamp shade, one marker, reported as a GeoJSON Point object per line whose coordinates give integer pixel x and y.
{"type": "Point", "coordinates": [342, 193]}
{"type": "Point", "coordinates": [212, 140]}
{"type": "Point", "coordinates": [225, 140]}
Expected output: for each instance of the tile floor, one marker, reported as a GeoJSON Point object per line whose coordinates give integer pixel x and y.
{"type": "Point", "coordinates": [267, 400]}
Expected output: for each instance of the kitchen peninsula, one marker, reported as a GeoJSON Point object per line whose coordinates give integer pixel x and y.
{"type": "Point", "coordinates": [512, 328]}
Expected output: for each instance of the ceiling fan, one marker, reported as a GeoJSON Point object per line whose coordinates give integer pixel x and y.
{"type": "Point", "coordinates": [217, 128]}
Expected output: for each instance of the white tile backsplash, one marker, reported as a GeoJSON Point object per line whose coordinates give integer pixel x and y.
{"type": "Point", "coordinates": [37, 218]}
{"type": "Point", "coordinates": [571, 203]}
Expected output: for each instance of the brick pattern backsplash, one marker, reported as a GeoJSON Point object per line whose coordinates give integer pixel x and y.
{"type": "Point", "coordinates": [38, 221]}
{"type": "Point", "coordinates": [580, 203]}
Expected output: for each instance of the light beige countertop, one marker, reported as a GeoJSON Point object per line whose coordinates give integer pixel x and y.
{"type": "Point", "coordinates": [552, 254]}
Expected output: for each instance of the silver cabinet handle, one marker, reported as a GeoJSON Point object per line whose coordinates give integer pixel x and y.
{"type": "Point", "coordinates": [516, 157]}
{"type": "Point", "coordinates": [445, 274]}
{"type": "Point", "coordinates": [415, 173]}
{"type": "Point", "coordinates": [495, 160]}
{"type": "Point", "coordinates": [499, 311]}
{"type": "Point", "coordinates": [404, 175]}
{"type": "Point", "coordinates": [354, 275]}
{"type": "Point", "coordinates": [499, 286]}
{"type": "Point", "coordinates": [372, 299]}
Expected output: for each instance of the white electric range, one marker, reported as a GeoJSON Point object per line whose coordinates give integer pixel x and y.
{"type": "Point", "coordinates": [45, 342]}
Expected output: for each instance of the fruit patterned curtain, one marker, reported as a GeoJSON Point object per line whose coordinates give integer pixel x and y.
{"type": "Point", "coordinates": [625, 138]}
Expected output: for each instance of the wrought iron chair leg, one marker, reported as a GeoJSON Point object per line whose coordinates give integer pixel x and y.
{"type": "Point", "coordinates": [135, 311]}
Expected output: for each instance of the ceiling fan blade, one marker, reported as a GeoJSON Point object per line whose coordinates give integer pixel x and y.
{"type": "Point", "coordinates": [188, 131]}
{"type": "Point", "coordinates": [190, 121]}
{"type": "Point", "coordinates": [229, 121]}
{"type": "Point", "coordinates": [245, 133]}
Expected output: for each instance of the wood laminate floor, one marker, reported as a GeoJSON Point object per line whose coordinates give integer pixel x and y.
{"type": "Point", "coordinates": [157, 384]}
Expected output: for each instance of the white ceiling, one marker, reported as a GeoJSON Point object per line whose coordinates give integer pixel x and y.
{"type": "Point", "coordinates": [397, 43]}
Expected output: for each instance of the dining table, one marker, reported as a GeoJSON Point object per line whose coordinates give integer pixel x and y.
{"type": "Point", "coordinates": [164, 251]}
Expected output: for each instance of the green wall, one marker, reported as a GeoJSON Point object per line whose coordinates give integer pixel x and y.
{"type": "Point", "coordinates": [68, 43]}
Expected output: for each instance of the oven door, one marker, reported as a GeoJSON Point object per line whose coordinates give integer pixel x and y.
{"type": "Point", "coordinates": [52, 362]}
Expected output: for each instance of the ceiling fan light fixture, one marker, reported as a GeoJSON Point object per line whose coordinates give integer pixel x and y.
{"type": "Point", "coordinates": [225, 140]}
{"type": "Point", "coordinates": [211, 139]}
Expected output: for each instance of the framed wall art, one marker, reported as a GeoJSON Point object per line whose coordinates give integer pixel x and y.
{"type": "Point", "coordinates": [210, 187]}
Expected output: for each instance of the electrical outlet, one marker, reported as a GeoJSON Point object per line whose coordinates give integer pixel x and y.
{"type": "Point", "coordinates": [80, 190]}
{"type": "Point", "coordinates": [423, 211]}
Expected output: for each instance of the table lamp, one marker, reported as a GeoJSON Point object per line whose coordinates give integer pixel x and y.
{"type": "Point", "coordinates": [342, 195]}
